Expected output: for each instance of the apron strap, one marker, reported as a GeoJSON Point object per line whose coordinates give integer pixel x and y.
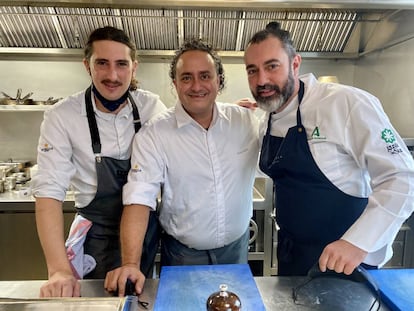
{"type": "Point", "coordinates": [300, 97]}
{"type": "Point", "coordinates": [137, 120]}
{"type": "Point", "coordinates": [93, 127]}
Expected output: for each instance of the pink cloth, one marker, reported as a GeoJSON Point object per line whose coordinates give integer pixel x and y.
{"type": "Point", "coordinates": [81, 263]}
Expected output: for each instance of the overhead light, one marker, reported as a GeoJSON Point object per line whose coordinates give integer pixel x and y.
{"type": "Point", "coordinates": [331, 79]}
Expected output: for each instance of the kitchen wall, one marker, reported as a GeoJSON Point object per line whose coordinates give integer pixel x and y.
{"type": "Point", "coordinates": [389, 75]}
{"type": "Point", "coordinates": [386, 74]}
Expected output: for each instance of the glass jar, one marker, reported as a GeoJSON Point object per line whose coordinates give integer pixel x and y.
{"type": "Point", "coordinates": [223, 300]}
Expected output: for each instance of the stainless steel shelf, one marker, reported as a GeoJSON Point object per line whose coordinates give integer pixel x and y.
{"type": "Point", "coordinates": [24, 107]}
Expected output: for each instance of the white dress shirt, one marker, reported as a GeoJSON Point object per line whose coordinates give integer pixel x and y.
{"type": "Point", "coordinates": [207, 176]}
{"type": "Point", "coordinates": [352, 149]}
{"type": "Point", "coordinates": [65, 154]}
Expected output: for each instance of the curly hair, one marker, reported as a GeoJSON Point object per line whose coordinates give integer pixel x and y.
{"type": "Point", "coordinates": [198, 45]}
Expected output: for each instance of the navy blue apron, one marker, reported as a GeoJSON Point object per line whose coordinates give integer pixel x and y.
{"type": "Point", "coordinates": [311, 212]}
{"type": "Point", "coordinates": [105, 210]}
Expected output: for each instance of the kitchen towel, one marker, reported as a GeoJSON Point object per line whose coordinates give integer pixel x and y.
{"type": "Point", "coordinates": [188, 287]}
{"type": "Point", "coordinates": [80, 262]}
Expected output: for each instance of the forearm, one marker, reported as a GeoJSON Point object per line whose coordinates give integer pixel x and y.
{"type": "Point", "coordinates": [134, 224]}
{"type": "Point", "coordinates": [49, 222]}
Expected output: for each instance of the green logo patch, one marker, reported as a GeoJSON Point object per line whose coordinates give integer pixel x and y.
{"type": "Point", "coordinates": [388, 136]}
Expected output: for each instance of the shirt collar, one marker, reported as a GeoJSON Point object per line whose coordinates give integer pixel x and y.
{"type": "Point", "coordinates": [183, 118]}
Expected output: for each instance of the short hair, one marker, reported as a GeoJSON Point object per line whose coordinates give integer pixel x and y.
{"type": "Point", "coordinates": [273, 29]}
{"type": "Point", "coordinates": [112, 34]}
{"type": "Point", "coordinates": [198, 45]}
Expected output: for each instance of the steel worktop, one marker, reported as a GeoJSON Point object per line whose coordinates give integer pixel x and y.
{"type": "Point", "coordinates": [26, 262]}
{"type": "Point", "coordinates": [276, 292]}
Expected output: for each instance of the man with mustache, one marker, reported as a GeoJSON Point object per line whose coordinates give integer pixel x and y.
{"type": "Point", "coordinates": [344, 179]}
{"type": "Point", "coordinates": [203, 154]}
{"type": "Point", "coordinates": [85, 142]}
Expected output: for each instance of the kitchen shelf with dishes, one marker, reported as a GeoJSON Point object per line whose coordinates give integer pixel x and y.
{"type": "Point", "coordinates": [25, 103]}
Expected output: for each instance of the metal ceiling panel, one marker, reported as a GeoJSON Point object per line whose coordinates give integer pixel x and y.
{"type": "Point", "coordinates": [219, 28]}
{"type": "Point", "coordinates": [27, 27]}
{"type": "Point", "coordinates": [314, 30]}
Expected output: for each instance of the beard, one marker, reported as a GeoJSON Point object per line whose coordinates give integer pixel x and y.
{"type": "Point", "coordinates": [277, 100]}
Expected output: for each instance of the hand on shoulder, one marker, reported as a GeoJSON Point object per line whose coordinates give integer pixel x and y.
{"type": "Point", "coordinates": [247, 103]}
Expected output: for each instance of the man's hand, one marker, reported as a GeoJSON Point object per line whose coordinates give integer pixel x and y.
{"type": "Point", "coordinates": [341, 256]}
{"type": "Point", "coordinates": [246, 103]}
{"type": "Point", "coordinates": [116, 279]}
{"type": "Point", "coordinates": [61, 284]}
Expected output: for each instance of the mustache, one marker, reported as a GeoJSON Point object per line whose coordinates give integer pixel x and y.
{"type": "Point", "coordinates": [107, 81]}
{"type": "Point", "coordinates": [267, 87]}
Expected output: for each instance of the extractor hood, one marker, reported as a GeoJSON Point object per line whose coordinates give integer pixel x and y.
{"type": "Point", "coordinates": [320, 29]}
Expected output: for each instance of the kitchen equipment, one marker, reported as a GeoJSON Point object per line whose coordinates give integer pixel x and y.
{"type": "Point", "coordinates": [188, 287]}
{"type": "Point", "coordinates": [49, 101]}
{"type": "Point", "coordinates": [410, 145]}
{"type": "Point", "coordinates": [17, 165]}
{"type": "Point", "coordinates": [10, 183]}
{"type": "Point", "coordinates": [254, 230]}
{"type": "Point", "coordinates": [18, 100]}
{"type": "Point", "coordinates": [20, 177]}
{"type": "Point", "coordinates": [5, 170]}
{"type": "Point", "coordinates": [1, 186]}
{"type": "Point", "coordinates": [25, 100]}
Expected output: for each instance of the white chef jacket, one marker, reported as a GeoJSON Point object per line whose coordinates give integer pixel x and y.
{"type": "Point", "coordinates": [65, 154]}
{"type": "Point", "coordinates": [350, 141]}
{"type": "Point", "coordinates": [207, 175]}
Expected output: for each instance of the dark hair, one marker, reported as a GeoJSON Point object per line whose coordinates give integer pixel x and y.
{"type": "Point", "coordinates": [273, 30]}
{"type": "Point", "coordinates": [198, 45]}
{"type": "Point", "coordinates": [112, 34]}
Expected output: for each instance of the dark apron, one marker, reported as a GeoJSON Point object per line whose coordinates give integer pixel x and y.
{"type": "Point", "coordinates": [311, 212]}
{"type": "Point", "coordinates": [174, 253]}
{"type": "Point", "coordinates": [105, 210]}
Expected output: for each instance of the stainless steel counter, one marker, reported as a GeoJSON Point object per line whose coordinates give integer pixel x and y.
{"type": "Point", "coordinates": [22, 257]}
{"type": "Point", "coordinates": [276, 293]}
{"type": "Point", "coordinates": [18, 227]}
{"type": "Point", "coordinates": [21, 201]}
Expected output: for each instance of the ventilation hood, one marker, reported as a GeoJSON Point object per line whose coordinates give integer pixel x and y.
{"type": "Point", "coordinates": [320, 29]}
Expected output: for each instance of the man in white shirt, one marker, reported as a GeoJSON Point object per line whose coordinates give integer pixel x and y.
{"type": "Point", "coordinates": [344, 179]}
{"type": "Point", "coordinates": [203, 154]}
{"type": "Point", "coordinates": [85, 142]}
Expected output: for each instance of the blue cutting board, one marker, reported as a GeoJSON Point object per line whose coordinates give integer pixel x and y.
{"type": "Point", "coordinates": [188, 287]}
{"type": "Point", "coordinates": [396, 287]}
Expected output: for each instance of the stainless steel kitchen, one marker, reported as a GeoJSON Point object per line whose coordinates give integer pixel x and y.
{"type": "Point", "coordinates": [365, 44]}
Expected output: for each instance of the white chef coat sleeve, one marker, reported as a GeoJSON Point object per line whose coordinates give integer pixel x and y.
{"type": "Point", "coordinates": [148, 104]}
{"type": "Point", "coordinates": [261, 128]}
{"type": "Point", "coordinates": [147, 170]}
{"type": "Point", "coordinates": [55, 168]}
{"type": "Point", "coordinates": [378, 148]}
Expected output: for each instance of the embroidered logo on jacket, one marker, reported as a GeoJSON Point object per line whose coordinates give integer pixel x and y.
{"type": "Point", "coordinates": [392, 147]}
{"type": "Point", "coordinates": [136, 169]}
{"type": "Point", "coordinates": [46, 147]}
{"type": "Point", "coordinates": [316, 134]}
